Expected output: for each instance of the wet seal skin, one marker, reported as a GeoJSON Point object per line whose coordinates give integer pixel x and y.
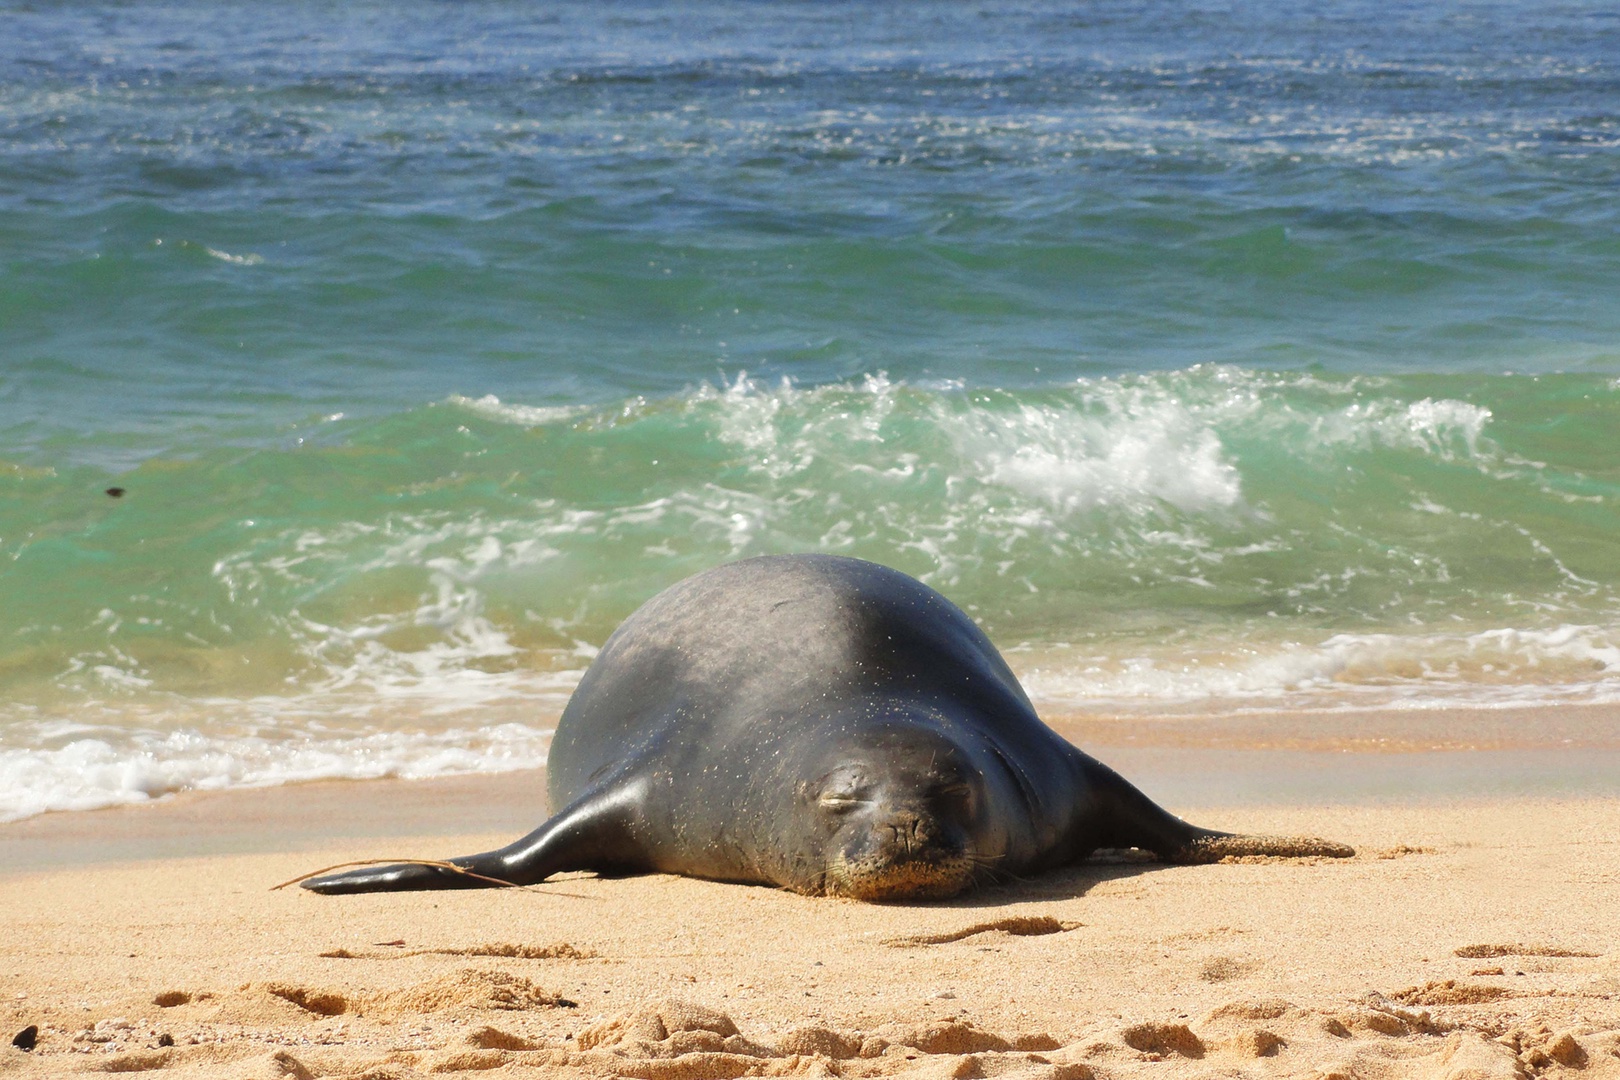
{"type": "Point", "coordinates": [823, 724]}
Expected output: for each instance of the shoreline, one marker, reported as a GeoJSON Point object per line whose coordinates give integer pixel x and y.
{"type": "Point", "coordinates": [1348, 728]}
{"type": "Point", "coordinates": [1186, 762]}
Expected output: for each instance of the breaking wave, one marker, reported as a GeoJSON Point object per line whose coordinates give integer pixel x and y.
{"type": "Point", "coordinates": [1216, 534]}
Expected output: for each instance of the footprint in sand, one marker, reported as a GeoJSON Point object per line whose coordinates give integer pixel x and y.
{"type": "Point", "coordinates": [558, 951]}
{"type": "Point", "coordinates": [810, 1041]}
{"type": "Point", "coordinates": [1245, 1039]}
{"type": "Point", "coordinates": [488, 1038]}
{"type": "Point", "coordinates": [671, 1028]}
{"type": "Point", "coordinates": [1401, 851]}
{"type": "Point", "coordinates": [1451, 992]}
{"type": "Point", "coordinates": [319, 1002]}
{"type": "Point", "coordinates": [1226, 968]}
{"type": "Point", "coordinates": [504, 950]}
{"type": "Point", "coordinates": [469, 988]}
{"type": "Point", "coordinates": [1486, 952]}
{"type": "Point", "coordinates": [1271, 1009]}
{"type": "Point", "coordinates": [1163, 1040]}
{"type": "Point", "coordinates": [1016, 925]}
{"type": "Point", "coordinates": [1258, 1043]}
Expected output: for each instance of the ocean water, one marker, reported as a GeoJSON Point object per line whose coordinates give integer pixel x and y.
{"type": "Point", "coordinates": [1213, 355]}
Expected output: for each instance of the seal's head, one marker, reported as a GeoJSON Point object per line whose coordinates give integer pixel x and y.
{"type": "Point", "coordinates": [897, 814]}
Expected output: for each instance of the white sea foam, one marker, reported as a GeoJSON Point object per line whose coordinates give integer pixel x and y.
{"type": "Point", "coordinates": [111, 766]}
{"type": "Point", "coordinates": [1131, 443]}
{"type": "Point", "coordinates": [1159, 452]}
{"type": "Point", "coordinates": [1124, 447]}
{"type": "Point", "coordinates": [491, 407]}
{"type": "Point", "coordinates": [1503, 666]}
{"type": "Point", "coordinates": [249, 259]}
{"type": "Point", "coordinates": [1445, 429]}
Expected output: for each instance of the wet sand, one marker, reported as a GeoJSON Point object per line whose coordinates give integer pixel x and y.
{"type": "Point", "coordinates": [1473, 935]}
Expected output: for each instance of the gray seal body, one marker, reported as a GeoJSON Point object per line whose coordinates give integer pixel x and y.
{"type": "Point", "coordinates": [823, 724]}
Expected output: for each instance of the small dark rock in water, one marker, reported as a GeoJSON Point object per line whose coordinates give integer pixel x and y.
{"type": "Point", "coordinates": [27, 1038]}
{"type": "Point", "coordinates": [116, 492]}
{"type": "Point", "coordinates": [165, 1040]}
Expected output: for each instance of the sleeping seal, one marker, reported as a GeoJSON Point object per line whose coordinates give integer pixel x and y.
{"type": "Point", "coordinates": [823, 724]}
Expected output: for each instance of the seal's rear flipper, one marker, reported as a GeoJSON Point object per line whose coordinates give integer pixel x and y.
{"type": "Point", "coordinates": [593, 833]}
{"type": "Point", "coordinates": [1136, 821]}
{"type": "Point", "coordinates": [1213, 847]}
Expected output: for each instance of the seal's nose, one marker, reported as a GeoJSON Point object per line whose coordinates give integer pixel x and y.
{"type": "Point", "coordinates": [910, 833]}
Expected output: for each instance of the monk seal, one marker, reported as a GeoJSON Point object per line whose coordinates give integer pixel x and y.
{"type": "Point", "coordinates": [824, 724]}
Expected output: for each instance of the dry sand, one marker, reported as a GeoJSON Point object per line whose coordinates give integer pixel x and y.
{"type": "Point", "coordinates": [1474, 935]}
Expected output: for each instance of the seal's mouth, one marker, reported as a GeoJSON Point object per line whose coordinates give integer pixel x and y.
{"type": "Point", "coordinates": [879, 879]}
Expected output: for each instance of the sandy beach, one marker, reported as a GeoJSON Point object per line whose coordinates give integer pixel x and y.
{"type": "Point", "coordinates": [1473, 935]}
{"type": "Point", "coordinates": [780, 382]}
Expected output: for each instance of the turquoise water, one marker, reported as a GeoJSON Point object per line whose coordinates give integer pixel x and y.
{"type": "Point", "coordinates": [1219, 355]}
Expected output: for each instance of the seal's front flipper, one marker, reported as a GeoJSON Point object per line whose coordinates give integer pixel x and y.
{"type": "Point", "coordinates": [399, 877]}
{"type": "Point", "coordinates": [1134, 820]}
{"type": "Point", "coordinates": [596, 832]}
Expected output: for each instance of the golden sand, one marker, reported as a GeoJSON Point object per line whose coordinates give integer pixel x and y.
{"type": "Point", "coordinates": [1469, 937]}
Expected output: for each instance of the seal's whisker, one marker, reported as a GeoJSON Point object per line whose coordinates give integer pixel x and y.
{"type": "Point", "coordinates": [991, 873]}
